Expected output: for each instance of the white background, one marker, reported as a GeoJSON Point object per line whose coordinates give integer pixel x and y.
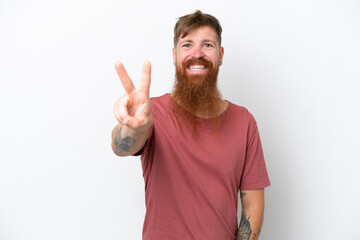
{"type": "Point", "coordinates": [294, 64]}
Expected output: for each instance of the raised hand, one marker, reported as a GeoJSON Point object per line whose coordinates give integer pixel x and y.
{"type": "Point", "coordinates": [133, 109]}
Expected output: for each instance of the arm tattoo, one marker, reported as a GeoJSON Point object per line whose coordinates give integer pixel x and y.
{"type": "Point", "coordinates": [244, 231]}
{"type": "Point", "coordinates": [254, 234]}
{"type": "Point", "coordinates": [123, 144]}
{"type": "Point", "coordinates": [242, 195]}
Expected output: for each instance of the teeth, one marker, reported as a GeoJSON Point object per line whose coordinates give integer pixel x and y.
{"type": "Point", "coordinates": [195, 67]}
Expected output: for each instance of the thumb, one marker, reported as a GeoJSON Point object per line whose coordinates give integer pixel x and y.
{"type": "Point", "coordinates": [131, 122]}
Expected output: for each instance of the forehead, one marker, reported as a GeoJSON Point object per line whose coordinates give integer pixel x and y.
{"type": "Point", "coordinates": [201, 33]}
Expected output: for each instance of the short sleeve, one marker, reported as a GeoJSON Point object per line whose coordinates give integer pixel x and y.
{"type": "Point", "coordinates": [254, 175]}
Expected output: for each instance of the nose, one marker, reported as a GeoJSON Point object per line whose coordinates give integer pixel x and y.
{"type": "Point", "coordinates": [197, 52]}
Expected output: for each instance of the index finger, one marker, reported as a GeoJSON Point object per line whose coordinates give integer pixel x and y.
{"type": "Point", "coordinates": [124, 77]}
{"type": "Point", "coordinates": [145, 78]}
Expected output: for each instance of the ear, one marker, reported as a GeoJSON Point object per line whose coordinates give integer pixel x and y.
{"type": "Point", "coordinates": [221, 54]}
{"type": "Point", "coordinates": [174, 54]}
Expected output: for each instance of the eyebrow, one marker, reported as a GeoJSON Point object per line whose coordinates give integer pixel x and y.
{"type": "Point", "coordinates": [203, 41]}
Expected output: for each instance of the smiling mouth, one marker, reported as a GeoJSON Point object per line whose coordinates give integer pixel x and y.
{"type": "Point", "coordinates": [196, 67]}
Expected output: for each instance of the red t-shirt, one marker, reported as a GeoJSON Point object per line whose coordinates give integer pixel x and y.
{"type": "Point", "coordinates": [192, 184]}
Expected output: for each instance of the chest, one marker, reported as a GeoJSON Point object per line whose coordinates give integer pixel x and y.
{"type": "Point", "coordinates": [210, 156]}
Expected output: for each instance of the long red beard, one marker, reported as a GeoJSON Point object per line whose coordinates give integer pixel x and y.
{"type": "Point", "coordinates": [197, 95]}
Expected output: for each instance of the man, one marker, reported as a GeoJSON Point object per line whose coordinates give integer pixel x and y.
{"type": "Point", "coordinates": [197, 150]}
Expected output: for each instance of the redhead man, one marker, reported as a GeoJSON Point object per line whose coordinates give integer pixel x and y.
{"type": "Point", "coordinates": [198, 151]}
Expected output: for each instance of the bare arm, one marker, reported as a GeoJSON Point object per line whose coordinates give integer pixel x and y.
{"type": "Point", "coordinates": [126, 142]}
{"type": "Point", "coordinates": [133, 113]}
{"type": "Point", "coordinates": [252, 214]}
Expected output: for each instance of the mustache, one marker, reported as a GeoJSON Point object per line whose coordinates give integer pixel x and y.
{"type": "Point", "coordinates": [197, 61]}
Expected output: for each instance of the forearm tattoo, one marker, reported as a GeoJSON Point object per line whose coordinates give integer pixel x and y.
{"type": "Point", "coordinates": [244, 232]}
{"type": "Point", "coordinates": [123, 144]}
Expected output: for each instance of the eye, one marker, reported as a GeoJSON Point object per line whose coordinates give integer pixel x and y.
{"type": "Point", "coordinates": [186, 45]}
{"type": "Point", "coordinates": [208, 45]}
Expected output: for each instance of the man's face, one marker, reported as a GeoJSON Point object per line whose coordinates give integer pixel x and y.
{"type": "Point", "coordinates": [197, 52]}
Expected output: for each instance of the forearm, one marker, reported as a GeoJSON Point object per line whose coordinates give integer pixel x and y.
{"type": "Point", "coordinates": [252, 215]}
{"type": "Point", "coordinates": [127, 141]}
{"type": "Point", "coordinates": [250, 225]}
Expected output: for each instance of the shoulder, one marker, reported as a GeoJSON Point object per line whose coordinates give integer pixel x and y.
{"type": "Point", "coordinates": [237, 111]}
{"type": "Point", "coordinates": [160, 104]}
